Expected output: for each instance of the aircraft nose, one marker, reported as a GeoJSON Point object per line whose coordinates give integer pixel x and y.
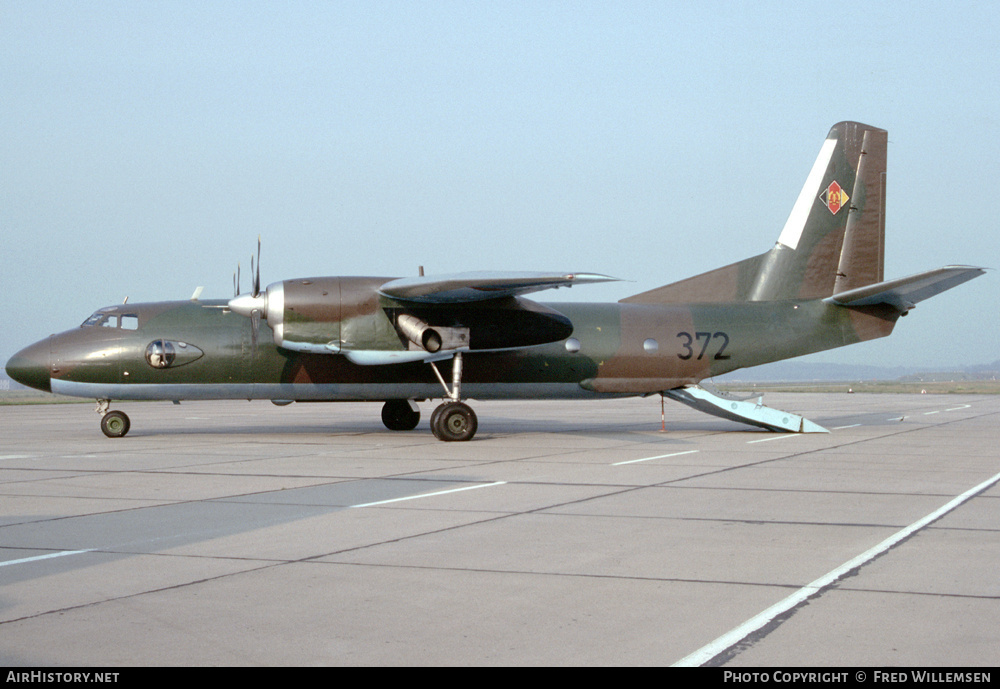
{"type": "Point", "coordinates": [30, 366]}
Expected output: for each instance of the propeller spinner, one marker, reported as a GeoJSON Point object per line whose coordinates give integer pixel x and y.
{"type": "Point", "coordinates": [253, 305]}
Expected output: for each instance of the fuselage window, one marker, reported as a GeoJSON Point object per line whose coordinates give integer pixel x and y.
{"type": "Point", "coordinates": [130, 322]}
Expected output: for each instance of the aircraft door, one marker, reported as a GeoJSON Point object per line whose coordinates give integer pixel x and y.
{"type": "Point", "coordinates": [130, 353]}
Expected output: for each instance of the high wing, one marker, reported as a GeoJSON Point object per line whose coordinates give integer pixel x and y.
{"type": "Point", "coordinates": [482, 310]}
{"type": "Point", "coordinates": [457, 288]}
{"type": "Point", "coordinates": [374, 321]}
{"type": "Point", "coordinates": [904, 293]}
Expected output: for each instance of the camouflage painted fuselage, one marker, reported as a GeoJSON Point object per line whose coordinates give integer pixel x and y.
{"type": "Point", "coordinates": [609, 349]}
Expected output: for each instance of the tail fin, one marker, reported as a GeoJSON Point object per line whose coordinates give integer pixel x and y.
{"type": "Point", "coordinates": [833, 241]}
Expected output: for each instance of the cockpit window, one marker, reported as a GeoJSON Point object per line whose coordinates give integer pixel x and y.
{"type": "Point", "coordinates": [105, 319]}
{"type": "Point", "coordinates": [97, 319]}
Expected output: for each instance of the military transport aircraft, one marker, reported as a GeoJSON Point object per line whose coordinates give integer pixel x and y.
{"type": "Point", "coordinates": [380, 338]}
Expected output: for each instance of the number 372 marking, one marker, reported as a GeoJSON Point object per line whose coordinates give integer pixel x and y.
{"type": "Point", "coordinates": [696, 345]}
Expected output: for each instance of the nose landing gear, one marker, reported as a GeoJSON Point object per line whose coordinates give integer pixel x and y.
{"type": "Point", "coordinates": [114, 424]}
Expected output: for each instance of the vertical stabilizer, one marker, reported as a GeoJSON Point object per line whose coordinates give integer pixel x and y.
{"type": "Point", "coordinates": [833, 240]}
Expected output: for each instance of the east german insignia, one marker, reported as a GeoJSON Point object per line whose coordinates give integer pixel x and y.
{"type": "Point", "coordinates": [833, 197]}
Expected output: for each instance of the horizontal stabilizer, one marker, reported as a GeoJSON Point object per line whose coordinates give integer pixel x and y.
{"type": "Point", "coordinates": [479, 286]}
{"type": "Point", "coordinates": [904, 293]}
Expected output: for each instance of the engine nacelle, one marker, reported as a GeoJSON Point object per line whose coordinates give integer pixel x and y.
{"type": "Point", "coordinates": [323, 315]}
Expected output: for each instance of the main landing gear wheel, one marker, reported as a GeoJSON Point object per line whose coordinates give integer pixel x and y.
{"type": "Point", "coordinates": [434, 416]}
{"type": "Point", "coordinates": [398, 415]}
{"type": "Point", "coordinates": [454, 422]}
{"type": "Point", "coordinates": [115, 424]}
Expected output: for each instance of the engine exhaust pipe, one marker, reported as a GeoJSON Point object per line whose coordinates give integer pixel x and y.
{"type": "Point", "coordinates": [419, 332]}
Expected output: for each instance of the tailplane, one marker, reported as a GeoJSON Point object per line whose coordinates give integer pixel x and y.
{"type": "Point", "coordinates": [833, 241]}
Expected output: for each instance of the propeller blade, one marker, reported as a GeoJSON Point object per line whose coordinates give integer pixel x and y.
{"type": "Point", "coordinates": [254, 328]}
{"type": "Point", "coordinates": [256, 273]}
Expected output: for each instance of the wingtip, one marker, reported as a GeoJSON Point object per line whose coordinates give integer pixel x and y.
{"type": "Point", "coordinates": [590, 277]}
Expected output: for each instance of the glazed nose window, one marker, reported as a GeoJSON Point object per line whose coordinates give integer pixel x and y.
{"type": "Point", "coordinates": [160, 353]}
{"type": "Point", "coordinates": [171, 353]}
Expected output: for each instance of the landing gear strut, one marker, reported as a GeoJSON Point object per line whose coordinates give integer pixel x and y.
{"type": "Point", "coordinates": [114, 424]}
{"type": "Point", "coordinates": [453, 420]}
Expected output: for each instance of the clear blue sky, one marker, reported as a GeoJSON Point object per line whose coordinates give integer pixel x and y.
{"type": "Point", "coordinates": [145, 145]}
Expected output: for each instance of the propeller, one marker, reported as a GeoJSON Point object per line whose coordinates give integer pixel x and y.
{"type": "Point", "coordinates": [250, 305]}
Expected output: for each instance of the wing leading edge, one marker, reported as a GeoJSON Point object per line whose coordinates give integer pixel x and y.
{"type": "Point", "coordinates": [479, 286]}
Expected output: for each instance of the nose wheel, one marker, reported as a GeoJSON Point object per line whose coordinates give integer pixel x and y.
{"type": "Point", "coordinates": [114, 424]}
